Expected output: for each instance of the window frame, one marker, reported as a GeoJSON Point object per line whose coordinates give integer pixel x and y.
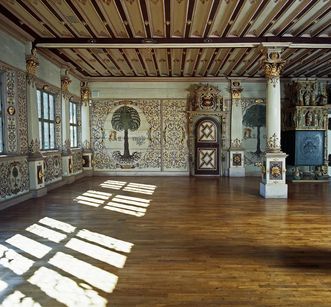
{"type": "Point", "coordinates": [73, 123]}
{"type": "Point", "coordinates": [48, 120]}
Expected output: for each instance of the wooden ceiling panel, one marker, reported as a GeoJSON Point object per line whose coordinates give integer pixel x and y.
{"type": "Point", "coordinates": [156, 16]}
{"type": "Point", "coordinates": [162, 38]}
{"type": "Point", "coordinates": [310, 16]}
{"type": "Point", "coordinates": [38, 7]}
{"type": "Point", "coordinates": [266, 17]}
{"type": "Point", "coordinates": [88, 56]}
{"type": "Point", "coordinates": [320, 26]}
{"type": "Point", "coordinates": [92, 18]}
{"type": "Point", "coordinates": [218, 61]}
{"type": "Point", "coordinates": [178, 17]}
{"type": "Point", "coordinates": [135, 17]}
{"type": "Point", "coordinates": [64, 10]}
{"type": "Point", "coordinates": [112, 16]}
{"type": "Point", "coordinates": [133, 56]}
{"type": "Point", "coordinates": [26, 18]}
{"type": "Point", "coordinates": [147, 56]}
{"type": "Point", "coordinates": [190, 60]}
{"type": "Point", "coordinates": [103, 57]}
{"type": "Point", "coordinates": [222, 18]}
{"type": "Point", "coordinates": [205, 58]}
{"type": "Point", "coordinates": [121, 62]}
{"type": "Point", "coordinates": [251, 57]}
{"type": "Point", "coordinates": [161, 56]}
{"type": "Point", "coordinates": [231, 61]}
{"type": "Point", "coordinates": [244, 17]}
{"type": "Point", "coordinates": [201, 13]}
{"type": "Point", "coordinates": [176, 61]}
{"type": "Point", "coordinates": [69, 53]}
{"type": "Point", "coordinates": [291, 13]}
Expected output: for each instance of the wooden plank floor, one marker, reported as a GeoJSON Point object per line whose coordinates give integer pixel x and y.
{"type": "Point", "coordinates": [168, 241]}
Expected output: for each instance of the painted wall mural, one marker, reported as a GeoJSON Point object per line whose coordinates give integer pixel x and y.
{"type": "Point", "coordinates": [77, 161]}
{"type": "Point", "coordinates": [15, 104]}
{"type": "Point", "coordinates": [14, 179]}
{"type": "Point", "coordinates": [144, 135]}
{"type": "Point", "coordinates": [254, 133]}
{"type": "Point", "coordinates": [53, 167]}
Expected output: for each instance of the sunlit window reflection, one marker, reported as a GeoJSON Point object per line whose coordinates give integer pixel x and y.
{"type": "Point", "coordinates": [113, 184]}
{"type": "Point", "coordinates": [129, 212]}
{"type": "Point", "coordinates": [46, 233]}
{"type": "Point", "coordinates": [3, 285]}
{"type": "Point", "coordinates": [90, 199]}
{"type": "Point", "coordinates": [131, 200]}
{"type": "Point", "coordinates": [127, 207]}
{"type": "Point", "coordinates": [97, 194]}
{"type": "Point", "coordinates": [28, 245]}
{"type": "Point", "coordinates": [93, 275]}
{"type": "Point", "coordinates": [19, 299]}
{"type": "Point", "coordinates": [88, 203]}
{"type": "Point", "coordinates": [14, 261]}
{"type": "Point", "coordinates": [57, 224]}
{"type": "Point", "coordinates": [97, 252]}
{"type": "Point", "coordinates": [140, 188]}
{"type": "Point", "coordinates": [115, 244]}
{"type": "Point", "coordinates": [65, 290]}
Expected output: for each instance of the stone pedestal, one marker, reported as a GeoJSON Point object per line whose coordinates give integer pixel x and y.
{"type": "Point", "coordinates": [237, 168]}
{"type": "Point", "coordinates": [273, 183]}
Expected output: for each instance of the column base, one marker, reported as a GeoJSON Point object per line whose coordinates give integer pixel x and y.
{"type": "Point", "coordinates": [273, 190]}
{"type": "Point", "coordinates": [237, 172]}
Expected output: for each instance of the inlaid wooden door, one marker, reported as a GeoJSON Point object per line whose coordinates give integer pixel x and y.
{"type": "Point", "coordinates": [207, 147]}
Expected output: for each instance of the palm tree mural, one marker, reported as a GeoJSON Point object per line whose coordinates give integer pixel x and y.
{"type": "Point", "coordinates": [255, 117]}
{"type": "Point", "coordinates": [126, 118]}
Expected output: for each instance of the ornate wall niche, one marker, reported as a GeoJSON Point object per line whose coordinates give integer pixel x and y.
{"type": "Point", "coordinates": [14, 179]}
{"type": "Point", "coordinates": [52, 167]}
{"type": "Point", "coordinates": [15, 105]}
{"type": "Point", "coordinates": [77, 157]}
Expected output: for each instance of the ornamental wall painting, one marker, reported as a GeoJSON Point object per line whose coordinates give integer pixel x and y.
{"type": "Point", "coordinates": [141, 135]}
{"type": "Point", "coordinates": [126, 135]}
{"type": "Point", "coordinates": [254, 134]}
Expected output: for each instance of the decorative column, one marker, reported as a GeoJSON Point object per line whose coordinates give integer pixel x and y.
{"type": "Point", "coordinates": [67, 166]}
{"type": "Point", "coordinates": [36, 160]}
{"type": "Point", "coordinates": [236, 151]}
{"type": "Point", "coordinates": [86, 137]}
{"type": "Point", "coordinates": [273, 183]}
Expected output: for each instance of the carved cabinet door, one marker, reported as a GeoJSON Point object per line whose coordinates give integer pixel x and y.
{"type": "Point", "coordinates": [207, 147]}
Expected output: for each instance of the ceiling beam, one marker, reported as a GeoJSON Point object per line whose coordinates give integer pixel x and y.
{"type": "Point", "coordinates": [226, 42]}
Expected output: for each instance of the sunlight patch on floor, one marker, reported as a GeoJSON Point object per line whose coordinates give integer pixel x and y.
{"type": "Point", "coordinates": [131, 200]}
{"type": "Point", "coordinates": [46, 233]}
{"type": "Point", "coordinates": [93, 275]}
{"type": "Point", "coordinates": [14, 261]}
{"type": "Point", "coordinates": [65, 290]}
{"type": "Point", "coordinates": [18, 299]}
{"type": "Point", "coordinates": [113, 184]}
{"type": "Point", "coordinates": [65, 227]}
{"type": "Point", "coordinates": [59, 285]}
{"type": "Point", "coordinates": [29, 246]}
{"type": "Point", "coordinates": [3, 285]}
{"type": "Point", "coordinates": [96, 252]}
{"type": "Point", "coordinates": [112, 243]}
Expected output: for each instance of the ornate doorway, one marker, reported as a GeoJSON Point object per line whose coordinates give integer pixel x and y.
{"type": "Point", "coordinates": [207, 147]}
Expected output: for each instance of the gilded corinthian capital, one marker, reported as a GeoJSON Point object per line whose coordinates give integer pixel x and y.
{"type": "Point", "coordinates": [272, 63]}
